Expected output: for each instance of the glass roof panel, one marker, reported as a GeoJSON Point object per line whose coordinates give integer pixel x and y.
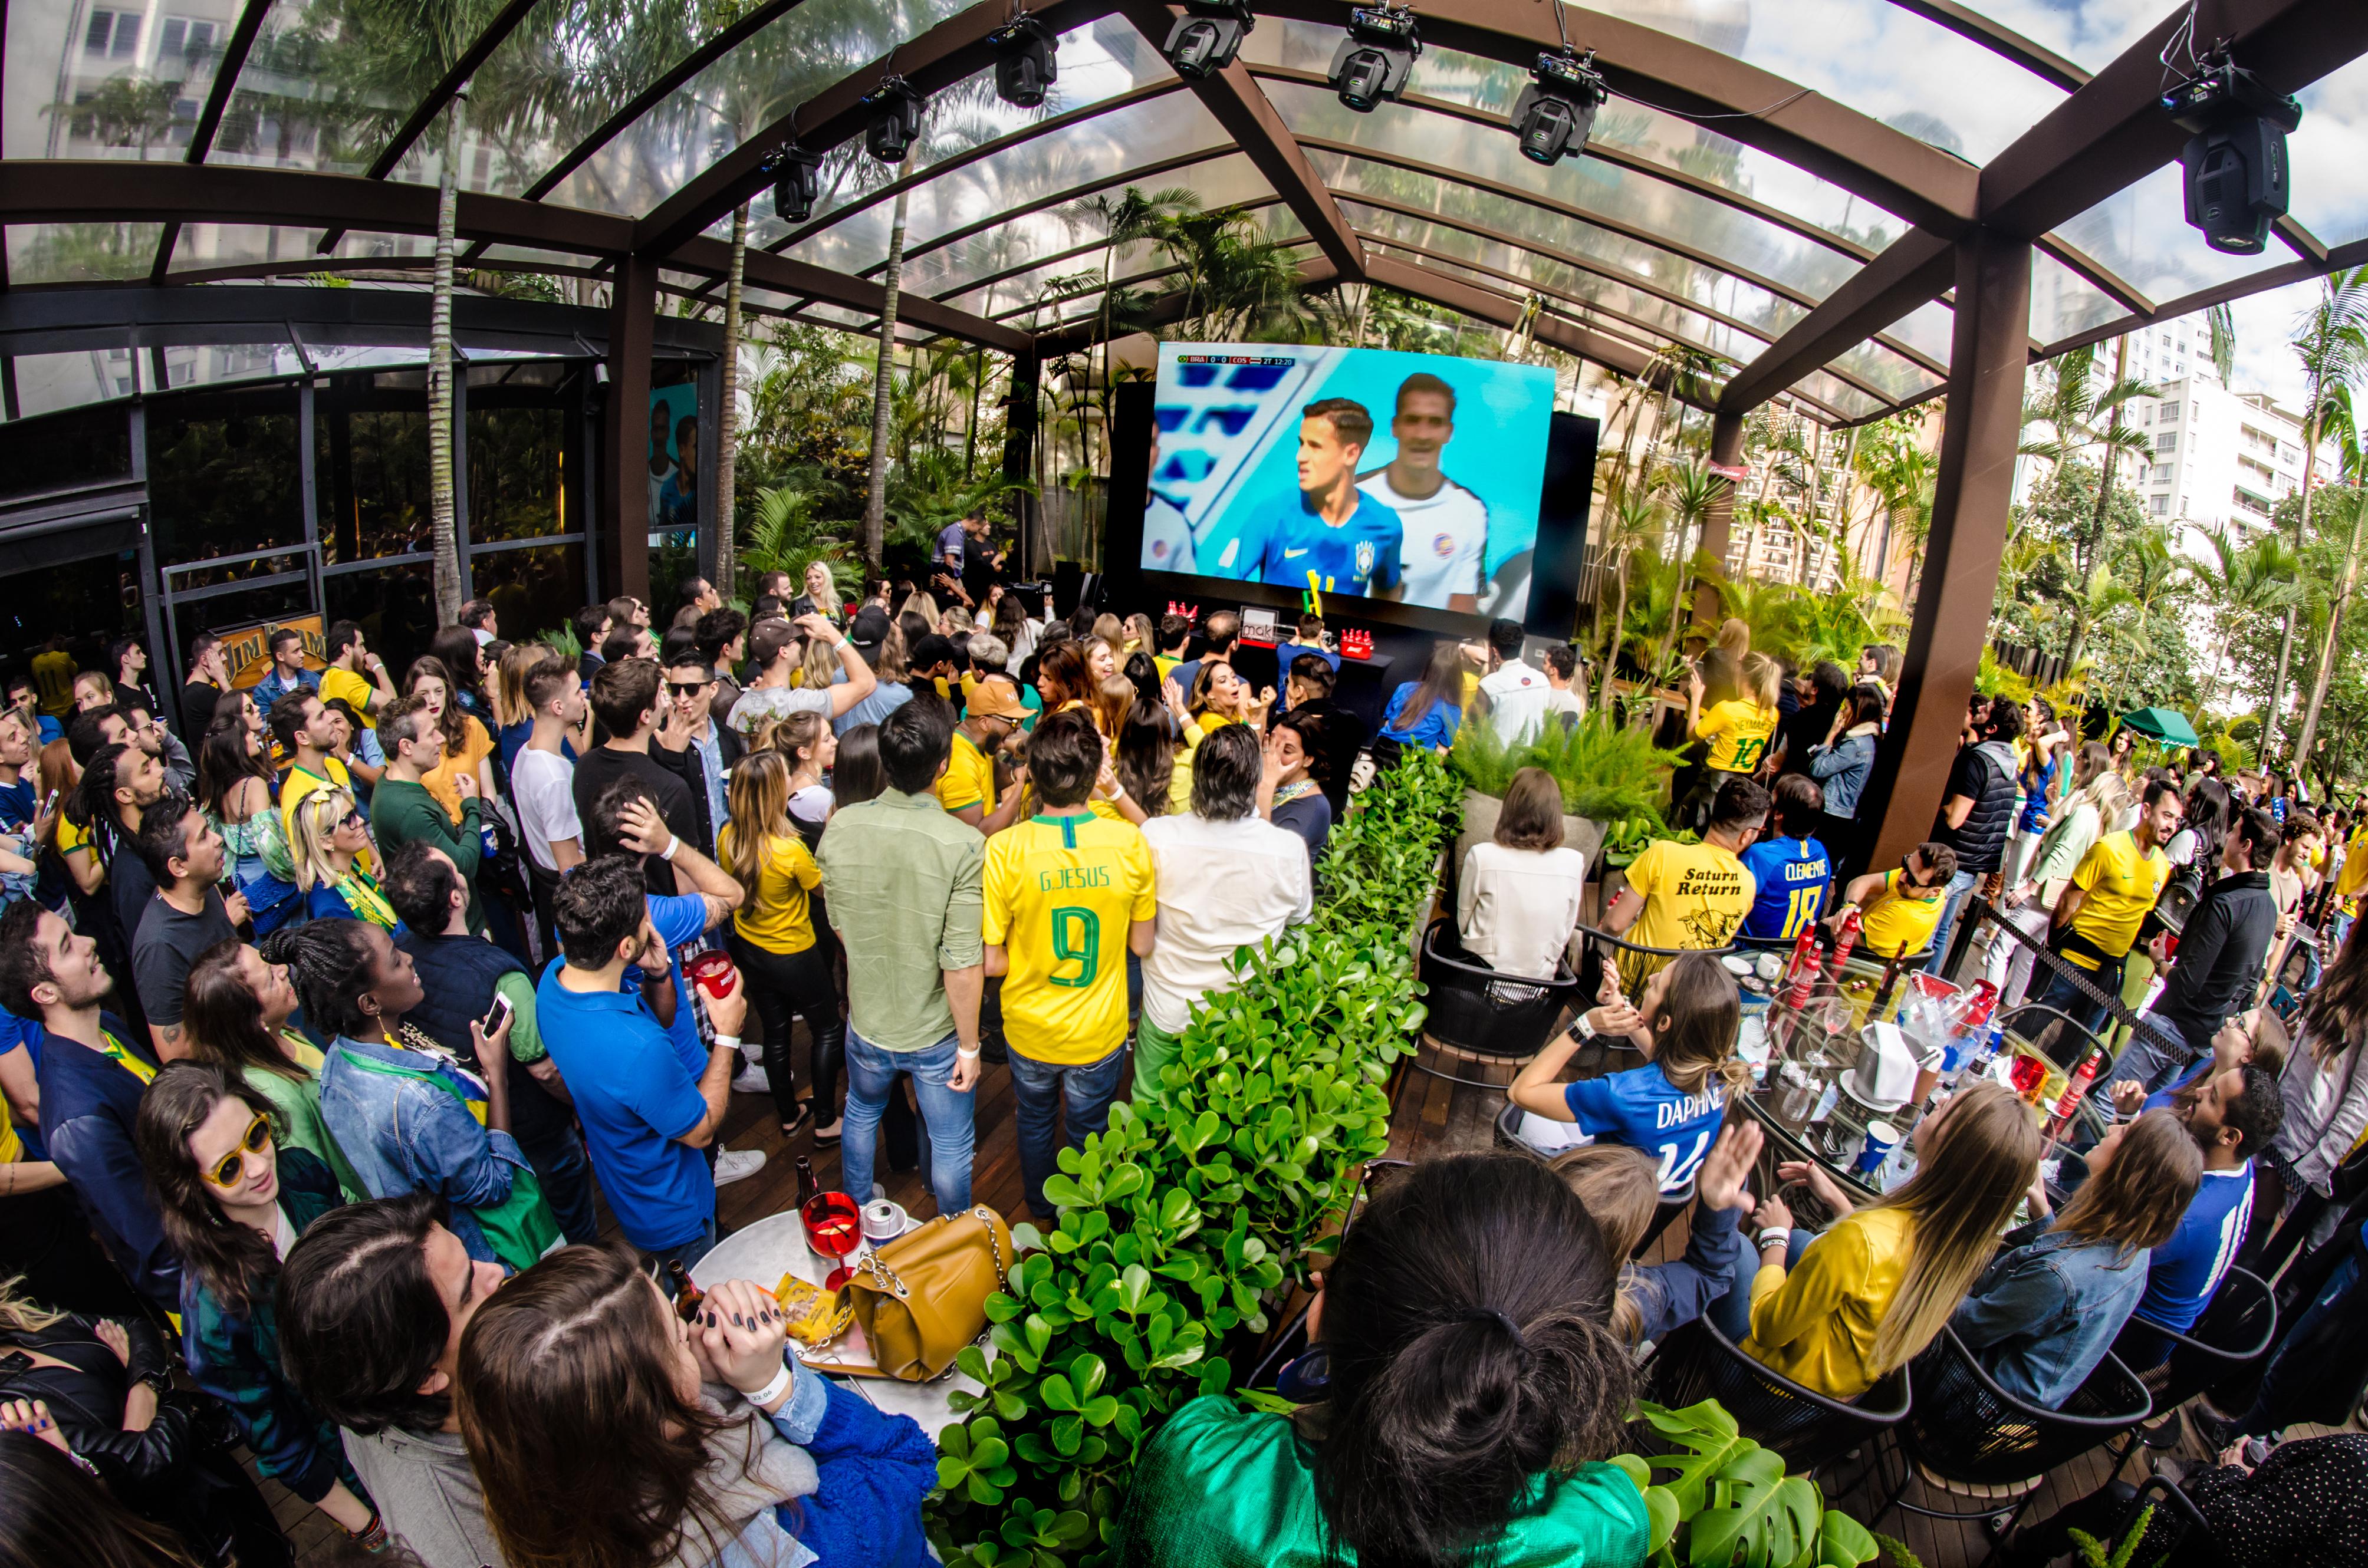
{"type": "Point", "coordinates": [1621, 195]}
{"type": "Point", "coordinates": [80, 253]}
{"type": "Point", "coordinates": [214, 363]}
{"type": "Point", "coordinates": [1097, 62]}
{"type": "Point", "coordinates": [1838, 395]}
{"type": "Point", "coordinates": [47, 382]}
{"type": "Point", "coordinates": [1043, 236]}
{"type": "Point", "coordinates": [324, 87]}
{"type": "Point", "coordinates": [1057, 281]}
{"type": "Point", "coordinates": [1099, 150]}
{"type": "Point", "coordinates": [136, 77]}
{"type": "Point", "coordinates": [787, 62]}
{"type": "Point", "coordinates": [2089, 33]}
{"type": "Point", "coordinates": [1491, 88]}
{"type": "Point", "coordinates": [2063, 303]}
{"type": "Point", "coordinates": [1551, 233]}
{"type": "Point", "coordinates": [202, 248]}
{"type": "Point", "coordinates": [2330, 198]}
{"type": "Point", "coordinates": [1896, 376]}
{"type": "Point", "coordinates": [1928, 329]}
{"type": "Point", "coordinates": [2140, 236]}
{"type": "Point", "coordinates": [1877, 58]}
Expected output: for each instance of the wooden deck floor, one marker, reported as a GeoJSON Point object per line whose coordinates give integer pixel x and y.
{"type": "Point", "coordinates": [1433, 1117]}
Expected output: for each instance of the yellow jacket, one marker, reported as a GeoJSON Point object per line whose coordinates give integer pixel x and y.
{"type": "Point", "coordinates": [1816, 1324]}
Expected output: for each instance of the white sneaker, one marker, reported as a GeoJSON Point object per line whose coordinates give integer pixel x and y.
{"type": "Point", "coordinates": [737, 1165]}
{"type": "Point", "coordinates": [751, 1079]}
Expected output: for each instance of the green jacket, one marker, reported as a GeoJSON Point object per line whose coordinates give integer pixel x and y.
{"type": "Point", "coordinates": [1221, 1488]}
{"type": "Point", "coordinates": [406, 813]}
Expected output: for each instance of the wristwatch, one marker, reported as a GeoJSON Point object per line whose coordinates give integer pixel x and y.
{"type": "Point", "coordinates": [1582, 1028]}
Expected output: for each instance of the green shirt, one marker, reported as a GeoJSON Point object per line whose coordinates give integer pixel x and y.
{"type": "Point", "coordinates": [406, 813]}
{"type": "Point", "coordinates": [296, 1113]}
{"type": "Point", "coordinates": [1220, 1487]}
{"type": "Point", "coordinates": [902, 881]}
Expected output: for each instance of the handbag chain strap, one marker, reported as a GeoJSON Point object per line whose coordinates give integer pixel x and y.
{"type": "Point", "coordinates": [885, 1278]}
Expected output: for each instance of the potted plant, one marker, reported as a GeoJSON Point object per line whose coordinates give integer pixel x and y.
{"type": "Point", "coordinates": [1726, 1499]}
{"type": "Point", "coordinates": [1613, 780]}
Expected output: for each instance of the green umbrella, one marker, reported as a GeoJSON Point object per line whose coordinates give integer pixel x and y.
{"type": "Point", "coordinates": [2166, 724]}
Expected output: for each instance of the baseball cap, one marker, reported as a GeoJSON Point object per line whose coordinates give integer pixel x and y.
{"type": "Point", "coordinates": [871, 629]}
{"type": "Point", "coordinates": [997, 698]}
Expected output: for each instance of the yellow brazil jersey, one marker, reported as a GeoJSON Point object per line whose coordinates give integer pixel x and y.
{"type": "Point", "coordinates": [1164, 665]}
{"type": "Point", "coordinates": [1061, 893]}
{"type": "Point", "coordinates": [776, 915]}
{"type": "Point", "coordinates": [1895, 924]}
{"type": "Point", "coordinates": [357, 689]}
{"type": "Point", "coordinates": [1738, 732]}
{"type": "Point", "coordinates": [1695, 895]}
{"type": "Point", "coordinates": [969, 778]}
{"type": "Point", "coordinates": [2120, 886]}
{"type": "Point", "coordinates": [303, 782]}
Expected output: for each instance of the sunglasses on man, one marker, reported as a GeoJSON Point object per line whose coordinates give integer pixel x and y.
{"type": "Point", "coordinates": [687, 688]}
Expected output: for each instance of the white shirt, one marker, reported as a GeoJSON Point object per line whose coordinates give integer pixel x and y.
{"type": "Point", "coordinates": [1517, 694]}
{"type": "Point", "coordinates": [1446, 541]}
{"type": "Point", "coordinates": [1518, 907]}
{"type": "Point", "coordinates": [1167, 538]}
{"type": "Point", "coordinates": [283, 1231]}
{"type": "Point", "coordinates": [1562, 700]}
{"type": "Point", "coordinates": [544, 785]}
{"type": "Point", "coordinates": [1222, 885]}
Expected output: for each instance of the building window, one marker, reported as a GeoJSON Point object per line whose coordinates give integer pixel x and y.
{"type": "Point", "coordinates": [2167, 442]}
{"type": "Point", "coordinates": [2171, 414]}
{"type": "Point", "coordinates": [2247, 500]}
{"type": "Point", "coordinates": [113, 35]}
{"type": "Point", "coordinates": [2162, 505]}
{"type": "Point", "coordinates": [2162, 473]}
{"type": "Point", "coordinates": [184, 40]}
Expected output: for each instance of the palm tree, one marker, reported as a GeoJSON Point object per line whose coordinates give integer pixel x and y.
{"type": "Point", "coordinates": [2346, 430]}
{"type": "Point", "coordinates": [1692, 491]}
{"type": "Point", "coordinates": [2331, 341]}
{"type": "Point", "coordinates": [442, 491]}
{"type": "Point", "coordinates": [875, 503]}
{"type": "Point", "coordinates": [1630, 523]}
{"type": "Point", "coordinates": [727, 418]}
{"type": "Point", "coordinates": [2116, 440]}
{"type": "Point", "coordinates": [2244, 580]}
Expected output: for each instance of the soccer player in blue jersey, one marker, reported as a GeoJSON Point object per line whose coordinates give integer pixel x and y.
{"type": "Point", "coordinates": [1789, 867]}
{"type": "Point", "coordinates": [1349, 541]}
{"type": "Point", "coordinates": [2233, 1116]}
{"type": "Point", "coordinates": [1686, 1025]}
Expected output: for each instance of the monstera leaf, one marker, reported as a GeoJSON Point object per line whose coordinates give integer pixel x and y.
{"type": "Point", "coordinates": [1728, 1504]}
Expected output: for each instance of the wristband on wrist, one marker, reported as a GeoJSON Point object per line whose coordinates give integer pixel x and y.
{"type": "Point", "coordinates": [727, 1042]}
{"type": "Point", "coordinates": [674, 841]}
{"type": "Point", "coordinates": [1583, 1027]}
{"type": "Point", "coordinates": [771, 1390]}
{"type": "Point", "coordinates": [1774, 1236]}
{"type": "Point", "coordinates": [969, 1055]}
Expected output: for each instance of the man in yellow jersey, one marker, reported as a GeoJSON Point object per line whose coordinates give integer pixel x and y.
{"type": "Point", "coordinates": [1901, 908]}
{"type": "Point", "coordinates": [966, 789]}
{"type": "Point", "coordinates": [1067, 895]}
{"type": "Point", "coordinates": [2098, 915]}
{"type": "Point", "coordinates": [1174, 635]}
{"type": "Point", "coordinates": [355, 673]}
{"type": "Point", "coordinates": [1691, 895]}
{"type": "Point", "coordinates": [305, 730]}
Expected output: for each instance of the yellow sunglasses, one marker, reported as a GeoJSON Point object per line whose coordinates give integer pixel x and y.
{"type": "Point", "coordinates": [226, 1172]}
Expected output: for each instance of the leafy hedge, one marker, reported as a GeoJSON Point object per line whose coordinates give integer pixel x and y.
{"type": "Point", "coordinates": [1176, 1225]}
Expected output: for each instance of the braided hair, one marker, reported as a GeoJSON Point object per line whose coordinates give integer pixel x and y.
{"type": "Point", "coordinates": [329, 960]}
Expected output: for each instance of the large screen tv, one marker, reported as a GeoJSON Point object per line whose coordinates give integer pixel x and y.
{"type": "Point", "coordinates": [1410, 478]}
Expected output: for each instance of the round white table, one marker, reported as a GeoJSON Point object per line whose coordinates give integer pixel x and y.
{"type": "Point", "coordinates": [776, 1246]}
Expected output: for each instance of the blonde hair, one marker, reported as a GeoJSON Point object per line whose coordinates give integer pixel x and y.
{"type": "Point", "coordinates": [315, 823]}
{"type": "Point", "coordinates": [759, 804]}
{"type": "Point", "coordinates": [893, 665]}
{"type": "Point", "coordinates": [1695, 1030]}
{"type": "Point", "coordinates": [1762, 680]}
{"type": "Point", "coordinates": [957, 623]}
{"type": "Point", "coordinates": [1110, 703]}
{"type": "Point", "coordinates": [924, 603]}
{"type": "Point", "coordinates": [19, 1313]}
{"type": "Point", "coordinates": [818, 669]}
{"type": "Point", "coordinates": [792, 733]}
{"type": "Point", "coordinates": [509, 699]}
{"type": "Point", "coordinates": [1983, 1155]}
{"type": "Point", "coordinates": [1142, 633]}
{"type": "Point", "coordinates": [1735, 636]}
{"type": "Point", "coordinates": [1110, 630]}
{"type": "Point", "coordinates": [1621, 1188]}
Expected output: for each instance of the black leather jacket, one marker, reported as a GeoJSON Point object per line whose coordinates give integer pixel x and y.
{"type": "Point", "coordinates": [85, 1398]}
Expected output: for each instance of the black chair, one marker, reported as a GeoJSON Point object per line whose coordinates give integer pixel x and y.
{"type": "Point", "coordinates": [1482, 1013]}
{"type": "Point", "coordinates": [2052, 1032]}
{"type": "Point", "coordinates": [1508, 1138]}
{"type": "Point", "coordinates": [2234, 1334]}
{"type": "Point", "coordinates": [1969, 1438]}
{"type": "Point", "coordinates": [1809, 1429]}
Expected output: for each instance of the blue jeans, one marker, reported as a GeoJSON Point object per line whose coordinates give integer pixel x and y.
{"type": "Point", "coordinates": [1960, 887]}
{"type": "Point", "coordinates": [1732, 1312]}
{"type": "Point", "coordinates": [871, 1076]}
{"type": "Point", "coordinates": [566, 1180]}
{"type": "Point", "coordinates": [1038, 1090]}
{"type": "Point", "coordinates": [2067, 997]}
{"type": "Point", "coordinates": [688, 1254]}
{"type": "Point", "coordinates": [2288, 1375]}
{"type": "Point", "coordinates": [2151, 1060]}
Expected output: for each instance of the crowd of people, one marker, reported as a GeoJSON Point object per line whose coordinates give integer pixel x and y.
{"type": "Point", "coordinates": [339, 1022]}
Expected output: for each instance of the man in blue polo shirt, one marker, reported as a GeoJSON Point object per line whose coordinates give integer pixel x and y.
{"type": "Point", "coordinates": [649, 1105]}
{"type": "Point", "coordinates": [2231, 1115]}
{"type": "Point", "coordinates": [1333, 531]}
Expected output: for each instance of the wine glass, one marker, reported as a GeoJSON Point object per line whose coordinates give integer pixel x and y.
{"type": "Point", "coordinates": [833, 1226]}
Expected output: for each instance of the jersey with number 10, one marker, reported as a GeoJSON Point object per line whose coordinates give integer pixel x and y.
{"type": "Point", "coordinates": [1060, 893]}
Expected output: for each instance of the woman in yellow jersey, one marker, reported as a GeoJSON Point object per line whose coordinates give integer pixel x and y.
{"type": "Point", "coordinates": [772, 935]}
{"type": "Point", "coordinates": [1736, 726]}
{"type": "Point", "coordinates": [1141, 637]}
{"type": "Point", "coordinates": [1219, 698]}
{"type": "Point", "coordinates": [466, 743]}
{"type": "Point", "coordinates": [1836, 1312]}
{"type": "Point", "coordinates": [1114, 698]}
{"type": "Point", "coordinates": [1102, 658]}
{"type": "Point", "coordinates": [1063, 679]}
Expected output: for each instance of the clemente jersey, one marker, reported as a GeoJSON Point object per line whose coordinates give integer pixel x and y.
{"type": "Point", "coordinates": [1446, 540]}
{"type": "Point", "coordinates": [1357, 557]}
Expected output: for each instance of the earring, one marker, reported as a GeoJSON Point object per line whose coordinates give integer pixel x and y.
{"type": "Point", "coordinates": [1306, 1378]}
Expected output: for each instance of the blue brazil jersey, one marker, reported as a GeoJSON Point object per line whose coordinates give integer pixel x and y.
{"type": "Point", "coordinates": [2187, 1268]}
{"type": "Point", "coordinates": [1359, 555]}
{"type": "Point", "coordinates": [1642, 1109]}
{"type": "Point", "coordinates": [1792, 874]}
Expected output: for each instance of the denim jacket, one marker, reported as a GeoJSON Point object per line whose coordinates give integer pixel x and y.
{"type": "Point", "coordinates": [403, 1133]}
{"type": "Point", "coordinates": [275, 685]}
{"type": "Point", "coordinates": [2042, 1315]}
{"type": "Point", "coordinates": [1843, 768]}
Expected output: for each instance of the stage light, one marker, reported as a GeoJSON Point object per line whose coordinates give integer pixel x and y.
{"type": "Point", "coordinates": [1024, 64]}
{"type": "Point", "coordinates": [1371, 65]}
{"type": "Point", "coordinates": [1207, 36]}
{"type": "Point", "coordinates": [797, 182]}
{"type": "Point", "coordinates": [2235, 177]}
{"type": "Point", "coordinates": [896, 108]}
{"type": "Point", "coordinates": [1557, 109]}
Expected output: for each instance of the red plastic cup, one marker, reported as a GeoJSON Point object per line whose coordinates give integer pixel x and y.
{"type": "Point", "coordinates": [711, 972]}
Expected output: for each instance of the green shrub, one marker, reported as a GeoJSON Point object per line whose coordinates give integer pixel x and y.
{"type": "Point", "coordinates": [1727, 1500]}
{"type": "Point", "coordinates": [1180, 1224]}
{"type": "Point", "coordinates": [1608, 772]}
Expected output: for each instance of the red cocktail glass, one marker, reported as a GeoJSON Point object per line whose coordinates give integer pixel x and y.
{"type": "Point", "coordinates": [833, 1226]}
{"type": "Point", "coordinates": [2027, 1073]}
{"type": "Point", "coordinates": [711, 972]}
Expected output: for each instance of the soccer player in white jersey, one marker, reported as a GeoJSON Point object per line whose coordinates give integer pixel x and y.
{"type": "Point", "coordinates": [1446, 524]}
{"type": "Point", "coordinates": [1168, 543]}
